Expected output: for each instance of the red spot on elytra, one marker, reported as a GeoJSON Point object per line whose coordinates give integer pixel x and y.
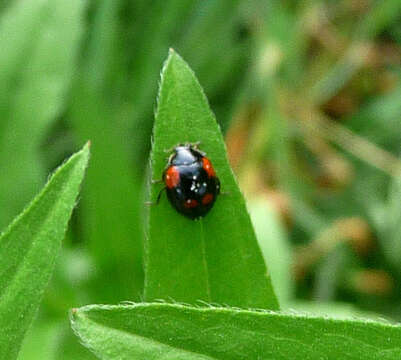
{"type": "Point", "coordinates": [191, 203]}
{"type": "Point", "coordinates": [207, 165]}
{"type": "Point", "coordinates": [207, 199]}
{"type": "Point", "coordinates": [172, 178]}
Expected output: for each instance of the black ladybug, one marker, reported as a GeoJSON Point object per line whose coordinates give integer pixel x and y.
{"type": "Point", "coordinates": [190, 181]}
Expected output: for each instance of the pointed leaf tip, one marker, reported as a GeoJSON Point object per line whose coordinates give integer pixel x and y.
{"type": "Point", "coordinates": [190, 261]}
{"type": "Point", "coordinates": [38, 230]}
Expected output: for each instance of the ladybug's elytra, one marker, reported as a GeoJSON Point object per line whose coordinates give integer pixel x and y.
{"type": "Point", "coordinates": [190, 181]}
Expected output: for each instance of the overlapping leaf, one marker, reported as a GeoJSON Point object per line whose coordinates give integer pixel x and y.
{"type": "Point", "coordinates": [28, 250]}
{"type": "Point", "coordinates": [162, 331]}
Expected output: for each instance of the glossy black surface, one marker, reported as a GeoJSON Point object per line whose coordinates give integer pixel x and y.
{"type": "Point", "coordinates": [185, 155]}
{"type": "Point", "coordinates": [194, 183]}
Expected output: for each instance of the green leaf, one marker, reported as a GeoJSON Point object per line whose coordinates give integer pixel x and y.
{"type": "Point", "coordinates": [39, 41]}
{"type": "Point", "coordinates": [41, 338]}
{"type": "Point", "coordinates": [336, 310]}
{"type": "Point", "coordinates": [28, 250]}
{"type": "Point", "coordinates": [162, 331]}
{"type": "Point", "coordinates": [273, 240]}
{"type": "Point", "coordinates": [216, 259]}
{"type": "Point", "coordinates": [390, 239]}
{"type": "Point", "coordinates": [204, 55]}
{"type": "Point", "coordinates": [110, 209]}
{"type": "Point", "coordinates": [380, 15]}
{"type": "Point", "coordinates": [53, 339]}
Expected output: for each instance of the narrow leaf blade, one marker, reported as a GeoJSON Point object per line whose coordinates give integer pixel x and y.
{"type": "Point", "coordinates": [100, 111]}
{"type": "Point", "coordinates": [28, 249]}
{"type": "Point", "coordinates": [216, 259]}
{"type": "Point", "coordinates": [39, 42]}
{"type": "Point", "coordinates": [163, 331]}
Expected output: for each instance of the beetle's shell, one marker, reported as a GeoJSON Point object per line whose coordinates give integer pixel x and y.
{"type": "Point", "coordinates": [191, 182]}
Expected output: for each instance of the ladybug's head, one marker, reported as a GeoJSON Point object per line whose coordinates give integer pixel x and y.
{"type": "Point", "coordinates": [185, 154]}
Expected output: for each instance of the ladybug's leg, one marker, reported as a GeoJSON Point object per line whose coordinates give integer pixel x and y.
{"type": "Point", "coordinates": [159, 195]}
{"type": "Point", "coordinates": [157, 199]}
{"type": "Point", "coordinates": [225, 193]}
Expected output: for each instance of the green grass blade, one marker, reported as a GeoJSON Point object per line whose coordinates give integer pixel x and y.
{"type": "Point", "coordinates": [273, 240]}
{"type": "Point", "coordinates": [205, 56]}
{"type": "Point", "coordinates": [40, 337]}
{"type": "Point", "coordinates": [155, 331]}
{"type": "Point", "coordinates": [28, 249]}
{"type": "Point", "coordinates": [53, 339]}
{"type": "Point", "coordinates": [390, 239]}
{"type": "Point", "coordinates": [216, 259]}
{"type": "Point", "coordinates": [111, 215]}
{"type": "Point", "coordinates": [381, 15]}
{"type": "Point", "coordinates": [153, 39]}
{"type": "Point", "coordinates": [39, 41]}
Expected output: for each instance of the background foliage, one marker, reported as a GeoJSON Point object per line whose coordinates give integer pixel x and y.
{"type": "Point", "coordinates": [308, 95]}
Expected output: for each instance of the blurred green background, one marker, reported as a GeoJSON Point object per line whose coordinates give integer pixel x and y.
{"type": "Point", "coordinates": [307, 93]}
